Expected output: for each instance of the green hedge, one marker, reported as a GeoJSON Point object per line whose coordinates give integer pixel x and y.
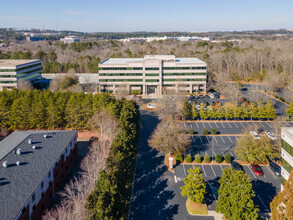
{"type": "Point", "coordinates": [188, 158]}
{"type": "Point", "coordinates": [197, 158]}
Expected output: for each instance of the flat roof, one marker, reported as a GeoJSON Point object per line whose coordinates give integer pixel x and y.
{"type": "Point", "coordinates": [14, 63]}
{"type": "Point", "coordinates": [113, 61]}
{"type": "Point", "coordinates": [18, 183]}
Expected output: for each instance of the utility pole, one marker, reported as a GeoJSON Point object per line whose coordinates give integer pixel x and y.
{"type": "Point", "coordinates": [212, 147]}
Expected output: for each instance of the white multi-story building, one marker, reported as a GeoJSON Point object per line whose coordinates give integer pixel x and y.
{"type": "Point", "coordinates": [286, 153]}
{"type": "Point", "coordinates": [153, 74]}
{"type": "Point", "coordinates": [13, 70]}
{"type": "Point", "coordinates": [70, 39]}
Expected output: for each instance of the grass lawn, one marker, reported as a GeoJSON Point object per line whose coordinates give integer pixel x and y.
{"type": "Point", "coordinates": [196, 209]}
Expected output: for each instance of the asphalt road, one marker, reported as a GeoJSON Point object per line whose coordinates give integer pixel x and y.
{"type": "Point", "coordinates": [155, 193]}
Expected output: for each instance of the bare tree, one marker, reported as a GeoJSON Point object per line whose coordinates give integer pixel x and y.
{"type": "Point", "coordinates": [23, 84]}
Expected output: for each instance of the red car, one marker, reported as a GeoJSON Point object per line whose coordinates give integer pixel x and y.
{"type": "Point", "coordinates": [256, 169]}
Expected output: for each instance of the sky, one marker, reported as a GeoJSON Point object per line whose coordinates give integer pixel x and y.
{"type": "Point", "coordinates": [147, 15]}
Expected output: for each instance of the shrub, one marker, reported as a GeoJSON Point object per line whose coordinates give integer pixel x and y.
{"type": "Point", "coordinates": [205, 131]}
{"type": "Point", "coordinates": [218, 158]}
{"type": "Point", "coordinates": [282, 99]}
{"type": "Point", "coordinates": [191, 131]}
{"type": "Point", "coordinates": [213, 131]}
{"type": "Point", "coordinates": [207, 158]}
{"type": "Point", "coordinates": [228, 158]}
{"type": "Point", "coordinates": [188, 158]}
{"type": "Point", "coordinates": [178, 158]}
{"type": "Point", "coordinates": [197, 158]}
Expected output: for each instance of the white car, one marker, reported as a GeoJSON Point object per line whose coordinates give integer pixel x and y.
{"type": "Point", "coordinates": [254, 135]}
{"type": "Point", "coordinates": [271, 135]}
{"type": "Point", "coordinates": [198, 107]}
{"type": "Point", "coordinates": [212, 96]}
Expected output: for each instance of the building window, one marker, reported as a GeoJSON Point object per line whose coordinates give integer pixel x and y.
{"type": "Point", "coordinates": [283, 181]}
{"type": "Point", "coordinates": [33, 197]}
{"type": "Point", "coordinates": [152, 68]}
{"type": "Point", "coordinates": [287, 147]}
{"type": "Point", "coordinates": [286, 165]}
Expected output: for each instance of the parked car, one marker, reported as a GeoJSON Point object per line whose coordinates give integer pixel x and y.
{"type": "Point", "coordinates": [275, 168]}
{"type": "Point", "coordinates": [201, 96]}
{"type": "Point", "coordinates": [212, 96]}
{"type": "Point", "coordinates": [196, 97]}
{"type": "Point", "coordinates": [254, 135]}
{"type": "Point", "coordinates": [271, 135]}
{"type": "Point", "coordinates": [236, 166]}
{"type": "Point", "coordinates": [207, 96]}
{"type": "Point", "coordinates": [256, 169]}
{"type": "Point", "coordinates": [197, 107]}
{"type": "Point", "coordinates": [191, 97]}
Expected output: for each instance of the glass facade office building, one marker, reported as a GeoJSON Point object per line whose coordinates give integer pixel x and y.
{"type": "Point", "coordinates": [286, 154]}
{"type": "Point", "coordinates": [157, 74]}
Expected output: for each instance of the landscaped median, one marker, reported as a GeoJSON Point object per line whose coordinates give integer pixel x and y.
{"type": "Point", "coordinates": [196, 209]}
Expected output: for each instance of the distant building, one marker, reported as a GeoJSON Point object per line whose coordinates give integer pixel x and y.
{"type": "Point", "coordinates": [33, 165]}
{"type": "Point", "coordinates": [70, 39]}
{"type": "Point", "coordinates": [153, 74]}
{"type": "Point", "coordinates": [29, 39]}
{"type": "Point", "coordinates": [13, 70]}
{"type": "Point", "coordinates": [286, 154]}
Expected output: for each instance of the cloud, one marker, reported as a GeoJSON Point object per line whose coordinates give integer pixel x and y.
{"type": "Point", "coordinates": [76, 12]}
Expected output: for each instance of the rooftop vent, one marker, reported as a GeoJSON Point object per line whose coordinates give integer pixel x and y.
{"type": "Point", "coordinates": [30, 141]}
{"type": "Point", "coordinates": [18, 163]}
{"type": "Point", "coordinates": [5, 164]}
{"type": "Point", "coordinates": [45, 136]}
{"type": "Point", "coordinates": [34, 147]}
{"type": "Point", "coordinates": [19, 151]}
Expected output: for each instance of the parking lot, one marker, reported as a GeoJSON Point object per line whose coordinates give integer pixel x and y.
{"type": "Point", "coordinates": [265, 187]}
{"type": "Point", "coordinates": [230, 127]}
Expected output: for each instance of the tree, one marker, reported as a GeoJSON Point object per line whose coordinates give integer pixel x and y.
{"type": "Point", "coordinates": [23, 84]}
{"type": "Point", "coordinates": [187, 110]}
{"type": "Point", "coordinates": [167, 138]}
{"type": "Point", "coordinates": [235, 196]}
{"type": "Point", "coordinates": [218, 158]}
{"type": "Point", "coordinates": [227, 158]}
{"type": "Point", "coordinates": [194, 111]}
{"type": "Point", "coordinates": [205, 131]}
{"type": "Point", "coordinates": [207, 158]}
{"type": "Point", "coordinates": [289, 110]}
{"type": "Point", "coordinates": [282, 204]}
{"type": "Point", "coordinates": [194, 188]}
{"type": "Point", "coordinates": [254, 151]}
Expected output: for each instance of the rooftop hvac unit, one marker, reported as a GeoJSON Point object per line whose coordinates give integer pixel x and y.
{"type": "Point", "coordinates": [34, 147]}
{"type": "Point", "coordinates": [30, 141]}
{"type": "Point", "coordinates": [5, 164]}
{"type": "Point", "coordinates": [19, 151]}
{"type": "Point", "coordinates": [18, 163]}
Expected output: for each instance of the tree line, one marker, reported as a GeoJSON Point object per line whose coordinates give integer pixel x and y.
{"type": "Point", "coordinates": [230, 111]}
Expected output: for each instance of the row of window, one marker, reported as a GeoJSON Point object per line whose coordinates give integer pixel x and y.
{"type": "Point", "coordinates": [19, 69]}
{"type": "Point", "coordinates": [184, 74]}
{"type": "Point", "coordinates": [148, 80]}
{"type": "Point", "coordinates": [283, 181]}
{"type": "Point", "coordinates": [120, 68]}
{"type": "Point", "coordinates": [173, 80]}
{"type": "Point", "coordinates": [7, 70]}
{"type": "Point", "coordinates": [287, 147]}
{"type": "Point", "coordinates": [120, 74]}
{"type": "Point", "coordinates": [31, 71]}
{"type": "Point", "coordinates": [120, 80]}
{"type": "Point", "coordinates": [152, 68]}
{"type": "Point", "coordinates": [286, 165]}
{"type": "Point", "coordinates": [152, 74]}
{"type": "Point", "coordinates": [152, 80]}
{"type": "Point", "coordinates": [185, 68]}
{"type": "Point", "coordinates": [7, 82]}
{"type": "Point", "coordinates": [7, 76]}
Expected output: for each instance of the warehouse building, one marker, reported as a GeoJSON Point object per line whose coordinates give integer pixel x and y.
{"type": "Point", "coordinates": [13, 70]}
{"type": "Point", "coordinates": [33, 164]}
{"type": "Point", "coordinates": [286, 154]}
{"type": "Point", "coordinates": [158, 74]}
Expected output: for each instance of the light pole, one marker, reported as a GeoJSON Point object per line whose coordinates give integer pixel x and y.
{"type": "Point", "coordinates": [212, 146]}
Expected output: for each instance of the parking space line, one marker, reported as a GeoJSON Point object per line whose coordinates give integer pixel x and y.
{"type": "Point", "coordinates": [247, 123]}
{"type": "Point", "coordinates": [216, 125]}
{"type": "Point", "coordinates": [222, 124]}
{"type": "Point", "coordinates": [264, 175]}
{"type": "Point", "coordinates": [203, 125]}
{"type": "Point", "coordinates": [200, 139]}
{"type": "Point", "coordinates": [235, 124]}
{"type": "Point", "coordinates": [204, 170]}
{"type": "Point", "coordinates": [262, 125]}
{"type": "Point", "coordinates": [175, 178]}
{"type": "Point", "coordinates": [213, 170]}
{"type": "Point", "coordinates": [184, 170]}
{"type": "Point", "coordinates": [230, 139]}
{"type": "Point", "coordinates": [208, 139]}
{"type": "Point", "coordinates": [251, 171]}
{"type": "Point", "coordinates": [215, 139]}
{"type": "Point", "coordinates": [223, 139]}
{"type": "Point", "coordinates": [242, 124]}
{"type": "Point", "coordinates": [223, 154]}
{"type": "Point", "coordinates": [197, 125]}
{"type": "Point", "coordinates": [231, 154]}
{"type": "Point", "coordinates": [210, 125]}
{"type": "Point", "coordinates": [229, 124]}
{"type": "Point", "coordinates": [271, 198]}
{"type": "Point", "coordinates": [269, 125]}
{"type": "Point", "coordinates": [263, 203]}
{"type": "Point", "coordinates": [213, 193]}
{"type": "Point", "coordinates": [221, 165]}
{"type": "Point", "coordinates": [272, 173]}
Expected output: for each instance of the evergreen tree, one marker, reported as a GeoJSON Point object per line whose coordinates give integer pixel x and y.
{"type": "Point", "coordinates": [289, 110]}
{"type": "Point", "coordinates": [235, 196]}
{"type": "Point", "coordinates": [187, 111]}
{"type": "Point", "coordinates": [203, 111]}
{"type": "Point", "coordinates": [195, 187]}
{"type": "Point", "coordinates": [270, 111]}
{"type": "Point", "coordinates": [194, 111]}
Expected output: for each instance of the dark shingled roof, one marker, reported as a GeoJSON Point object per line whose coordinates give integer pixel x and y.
{"type": "Point", "coordinates": [19, 182]}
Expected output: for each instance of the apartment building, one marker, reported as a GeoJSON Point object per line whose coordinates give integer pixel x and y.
{"type": "Point", "coordinates": [158, 74]}
{"type": "Point", "coordinates": [286, 154]}
{"type": "Point", "coordinates": [33, 165]}
{"type": "Point", "coordinates": [13, 70]}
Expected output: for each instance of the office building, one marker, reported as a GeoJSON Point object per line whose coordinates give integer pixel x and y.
{"type": "Point", "coordinates": [70, 39]}
{"type": "Point", "coordinates": [32, 38]}
{"type": "Point", "coordinates": [158, 74]}
{"type": "Point", "coordinates": [286, 154]}
{"type": "Point", "coordinates": [33, 165]}
{"type": "Point", "coordinates": [13, 70]}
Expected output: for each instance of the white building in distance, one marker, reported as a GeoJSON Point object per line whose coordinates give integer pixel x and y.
{"type": "Point", "coordinates": [13, 70]}
{"type": "Point", "coordinates": [70, 39]}
{"type": "Point", "coordinates": [158, 74]}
